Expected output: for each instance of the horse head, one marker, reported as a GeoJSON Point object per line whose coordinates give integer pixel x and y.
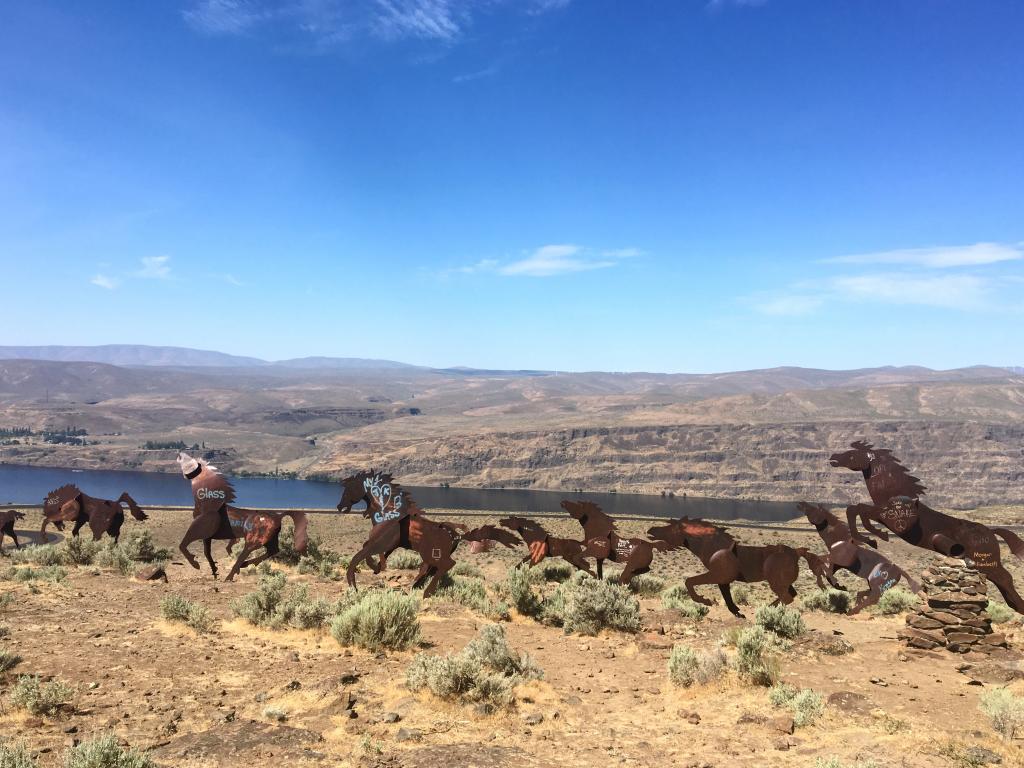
{"type": "Point", "coordinates": [857, 459]}
{"type": "Point", "coordinates": [517, 524]}
{"type": "Point", "coordinates": [354, 490]}
{"type": "Point", "coordinates": [817, 515]}
{"type": "Point", "coordinates": [673, 534]}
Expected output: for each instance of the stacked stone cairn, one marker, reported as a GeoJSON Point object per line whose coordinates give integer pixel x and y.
{"type": "Point", "coordinates": [953, 616]}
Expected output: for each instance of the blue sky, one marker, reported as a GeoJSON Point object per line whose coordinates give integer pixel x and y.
{"type": "Point", "coordinates": [568, 184]}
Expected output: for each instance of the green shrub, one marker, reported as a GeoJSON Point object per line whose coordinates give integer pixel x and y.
{"type": "Point", "coordinates": [39, 554]}
{"type": "Point", "coordinates": [405, 560]}
{"type": "Point", "coordinates": [105, 752]}
{"type": "Point", "coordinates": [686, 666]}
{"type": "Point", "coordinates": [78, 551]}
{"type": "Point", "coordinates": [16, 757]}
{"type": "Point", "coordinates": [275, 605]}
{"type": "Point", "coordinates": [678, 599]}
{"type": "Point", "coordinates": [646, 585]}
{"type": "Point", "coordinates": [471, 593]}
{"type": "Point", "coordinates": [894, 601]}
{"type": "Point", "coordinates": [379, 620]}
{"type": "Point", "coordinates": [585, 606]}
{"type": "Point", "coordinates": [276, 714]}
{"type": "Point", "coordinates": [486, 670]}
{"type": "Point", "coordinates": [177, 608]}
{"type": "Point", "coordinates": [554, 571]}
{"type": "Point", "coordinates": [754, 664]}
{"type": "Point", "coordinates": [6, 599]}
{"type": "Point", "coordinates": [8, 660]}
{"type": "Point", "coordinates": [519, 591]}
{"type": "Point", "coordinates": [741, 593]}
{"type": "Point", "coordinates": [806, 704]}
{"type": "Point", "coordinates": [1004, 710]}
{"type": "Point", "coordinates": [1000, 612]}
{"type": "Point", "coordinates": [40, 698]}
{"type": "Point", "coordinates": [139, 547]}
{"type": "Point", "coordinates": [31, 573]}
{"type": "Point", "coordinates": [466, 569]}
{"type": "Point", "coordinates": [780, 619]}
{"type": "Point", "coordinates": [827, 600]}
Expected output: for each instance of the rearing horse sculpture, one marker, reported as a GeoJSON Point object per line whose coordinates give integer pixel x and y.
{"type": "Point", "coordinates": [602, 541]}
{"type": "Point", "coordinates": [896, 504]}
{"type": "Point", "coordinates": [727, 561]}
{"type": "Point", "coordinates": [215, 518]}
{"type": "Point", "coordinates": [68, 503]}
{"type": "Point", "coordinates": [399, 522]}
{"type": "Point", "coordinates": [876, 569]}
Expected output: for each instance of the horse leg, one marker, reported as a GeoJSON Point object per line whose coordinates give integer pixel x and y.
{"type": "Point", "coordinates": [79, 524]}
{"type": "Point", "coordinates": [425, 572]}
{"type": "Point", "coordinates": [727, 596]}
{"type": "Point", "coordinates": [1001, 577]}
{"type": "Point", "coordinates": [866, 597]}
{"type": "Point", "coordinates": [441, 569]}
{"type": "Point", "coordinates": [371, 547]}
{"type": "Point", "coordinates": [199, 528]}
{"type": "Point", "coordinates": [701, 578]}
{"type": "Point", "coordinates": [239, 561]}
{"type": "Point", "coordinates": [853, 512]}
{"type": "Point", "coordinates": [600, 570]}
{"type": "Point", "coordinates": [209, 556]}
{"type": "Point", "coordinates": [580, 563]}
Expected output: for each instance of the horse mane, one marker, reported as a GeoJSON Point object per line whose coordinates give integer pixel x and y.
{"type": "Point", "coordinates": [64, 494]}
{"type": "Point", "coordinates": [212, 479]}
{"type": "Point", "coordinates": [897, 477]}
{"type": "Point", "coordinates": [700, 528]}
{"type": "Point", "coordinates": [597, 517]}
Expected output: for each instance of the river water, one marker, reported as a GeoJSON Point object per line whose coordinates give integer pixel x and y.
{"type": "Point", "coordinates": [28, 485]}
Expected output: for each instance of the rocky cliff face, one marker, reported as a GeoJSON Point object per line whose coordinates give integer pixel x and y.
{"type": "Point", "coordinates": [963, 464]}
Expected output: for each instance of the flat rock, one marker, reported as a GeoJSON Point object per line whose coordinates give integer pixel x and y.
{"type": "Point", "coordinates": [151, 573]}
{"type": "Point", "coordinates": [848, 701]}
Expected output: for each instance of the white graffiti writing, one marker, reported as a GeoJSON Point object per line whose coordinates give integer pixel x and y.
{"type": "Point", "coordinates": [390, 503]}
{"type": "Point", "coordinates": [209, 493]}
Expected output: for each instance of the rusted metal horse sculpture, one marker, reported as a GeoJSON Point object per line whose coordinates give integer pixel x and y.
{"type": "Point", "coordinates": [68, 503]}
{"type": "Point", "coordinates": [542, 544]}
{"type": "Point", "coordinates": [876, 569]}
{"type": "Point", "coordinates": [7, 520]}
{"type": "Point", "coordinates": [895, 503]}
{"type": "Point", "coordinates": [399, 522]}
{"type": "Point", "coordinates": [728, 561]}
{"type": "Point", "coordinates": [602, 541]}
{"type": "Point", "coordinates": [215, 518]}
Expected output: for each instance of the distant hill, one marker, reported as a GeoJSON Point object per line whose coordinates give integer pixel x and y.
{"type": "Point", "coordinates": [136, 355]}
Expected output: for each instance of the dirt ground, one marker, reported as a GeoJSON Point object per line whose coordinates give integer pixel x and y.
{"type": "Point", "coordinates": [199, 700]}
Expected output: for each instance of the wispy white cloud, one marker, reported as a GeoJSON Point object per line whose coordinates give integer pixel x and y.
{"type": "Point", "coordinates": [939, 257]}
{"type": "Point", "coordinates": [478, 75]}
{"type": "Point", "coordinates": [225, 17]}
{"type": "Point", "coordinates": [105, 281]}
{"type": "Point", "coordinates": [155, 268]}
{"type": "Point", "coordinates": [548, 261]}
{"type": "Point", "coordinates": [965, 292]}
{"type": "Point", "coordinates": [231, 279]}
{"type": "Point", "coordinates": [326, 23]}
{"type": "Point", "coordinates": [789, 305]}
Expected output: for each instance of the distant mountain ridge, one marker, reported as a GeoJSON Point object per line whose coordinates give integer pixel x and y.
{"type": "Point", "coordinates": [142, 355]}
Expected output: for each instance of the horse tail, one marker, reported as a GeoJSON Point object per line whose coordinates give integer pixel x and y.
{"type": "Point", "coordinates": [135, 509]}
{"type": "Point", "coordinates": [1012, 540]}
{"type": "Point", "coordinates": [300, 521]}
{"type": "Point", "coordinates": [912, 582]}
{"type": "Point", "coordinates": [492, 533]}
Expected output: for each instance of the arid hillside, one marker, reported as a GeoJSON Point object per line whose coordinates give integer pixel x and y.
{"type": "Point", "coordinates": [753, 434]}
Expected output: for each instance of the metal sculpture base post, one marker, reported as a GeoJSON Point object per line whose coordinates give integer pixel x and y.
{"type": "Point", "coordinates": [954, 615]}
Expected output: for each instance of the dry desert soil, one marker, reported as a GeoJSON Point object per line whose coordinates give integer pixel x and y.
{"type": "Point", "coordinates": [194, 700]}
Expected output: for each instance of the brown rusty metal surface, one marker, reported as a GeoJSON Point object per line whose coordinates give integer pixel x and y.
{"type": "Point", "coordinates": [213, 517]}
{"type": "Point", "coordinates": [542, 544]}
{"type": "Point", "coordinates": [103, 516]}
{"type": "Point", "coordinates": [7, 520]}
{"type": "Point", "coordinates": [727, 561]}
{"type": "Point", "coordinates": [844, 553]}
{"type": "Point", "coordinates": [896, 504]}
{"type": "Point", "coordinates": [602, 541]}
{"type": "Point", "coordinates": [398, 522]}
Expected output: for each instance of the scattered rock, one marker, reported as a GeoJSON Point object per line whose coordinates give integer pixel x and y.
{"type": "Point", "coordinates": [408, 734]}
{"type": "Point", "coordinates": [151, 573]}
{"type": "Point", "coordinates": [975, 755]}
{"type": "Point", "coordinates": [533, 718]}
{"type": "Point", "coordinates": [391, 717]}
{"type": "Point", "coordinates": [782, 724]}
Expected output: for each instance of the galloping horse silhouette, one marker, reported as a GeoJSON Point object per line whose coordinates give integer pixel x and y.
{"type": "Point", "coordinates": [7, 526]}
{"type": "Point", "coordinates": [879, 571]}
{"type": "Point", "coordinates": [896, 504]}
{"type": "Point", "coordinates": [68, 503]}
{"type": "Point", "coordinates": [602, 541]}
{"type": "Point", "coordinates": [728, 561]}
{"type": "Point", "coordinates": [374, 489]}
{"type": "Point", "coordinates": [399, 522]}
{"type": "Point", "coordinates": [542, 544]}
{"type": "Point", "coordinates": [215, 518]}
